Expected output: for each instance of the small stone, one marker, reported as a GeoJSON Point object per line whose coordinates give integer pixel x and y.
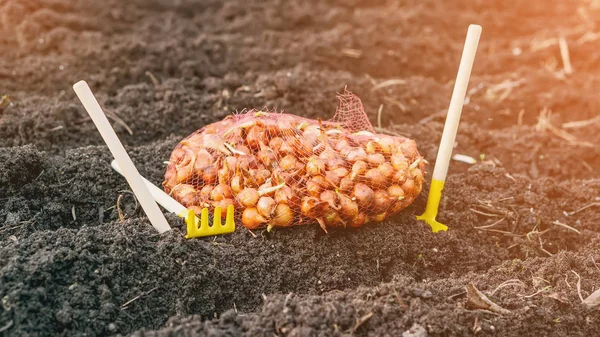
{"type": "Point", "coordinates": [421, 293]}
{"type": "Point", "coordinates": [416, 330]}
{"type": "Point", "coordinates": [112, 327]}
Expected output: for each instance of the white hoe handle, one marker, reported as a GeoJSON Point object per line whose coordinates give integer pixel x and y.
{"type": "Point", "coordinates": [456, 103]}
{"type": "Point", "coordinates": [156, 217]}
{"type": "Point", "coordinates": [159, 195]}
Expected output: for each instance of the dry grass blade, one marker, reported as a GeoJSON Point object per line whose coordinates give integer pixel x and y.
{"type": "Point", "coordinates": [580, 124]}
{"type": "Point", "coordinates": [118, 120]}
{"type": "Point", "coordinates": [578, 285]}
{"type": "Point", "coordinates": [379, 116]}
{"type": "Point", "coordinates": [509, 283]}
{"type": "Point", "coordinates": [544, 124]}
{"type": "Point", "coordinates": [558, 223]}
{"type": "Point", "coordinates": [536, 293]}
{"type": "Point", "coordinates": [584, 208]}
{"type": "Point", "coordinates": [492, 225]}
{"type": "Point", "coordinates": [396, 103]}
{"type": "Point", "coordinates": [388, 83]}
{"type": "Point", "coordinates": [565, 55]}
{"type": "Point", "coordinates": [593, 300]}
{"type": "Point", "coordinates": [124, 305]}
{"type": "Point", "coordinates": [354, 53]}
{"type": "Point", "coordinates": [478, 300]}
{"type": "Point", "coordinates": [432, 117]}
{"type": "Point", "coordinates": [361, 321]}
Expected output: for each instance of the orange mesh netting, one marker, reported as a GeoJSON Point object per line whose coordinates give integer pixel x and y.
{"type": "Point", "coordinates": [281, 170]}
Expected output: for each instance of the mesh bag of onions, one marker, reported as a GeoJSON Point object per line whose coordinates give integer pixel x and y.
{"type": "Point", "coordinates": [280, 170]}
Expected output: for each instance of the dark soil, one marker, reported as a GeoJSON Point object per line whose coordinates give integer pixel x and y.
{"type": "Point", "coordinates": [69, 266]}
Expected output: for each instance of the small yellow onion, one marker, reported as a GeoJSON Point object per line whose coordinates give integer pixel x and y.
{"type": "Point", "coordinates": [399, 177]}
{"type": "Point", "coordinates": [210, 174]}
{"type": "Point", "coordinates": [248, 197]}
{"type": "Point", "coordinates": [386, 144]}
{"type": "Point", "coordinates": [331, 218]}
{"type": "Point", "coordinates": [387, 170]}
{"type": "Point", "coordinates": [341, 144]}
{"type": "Point", "coordinates": [236, 184]}
{"type": "Point", "coordinates": [346, 184]}
{"type": "Point", "coordinates": [275, 143]}
{"type": "Point", "coordinates": [379, 217]}
{"type": "Point", "coordinates": [283, 216]}
{"type": "Point", "coordinates": [359, 220]}
{"type": "Point", "coordinates": [358, 168]}
{"type": "Point", "coordinates": [375, 178]}
{"type": "Point", "coordinates": [265, 206]}
{"type": "Point", "coordinates": [220, 192]}
{"type": "Point", "coordinates": [255, 136]}
{"type": "Point", "coordinates": [382, 201]}
{"type": "Point", "coordinates": [288, 162]}
{"type": "Point", "coordinates": [409, 148]}
{"type": "Point", "coordinates": [251, 219]}
{"type": "Point", "coordinates": [332, 178]}
{"type": "Point", "coordinates": [372, 147]}
{"type": "Point", "coordinates": [348, 208]}
{"type": "Point", "coordinates": [409, 187]}
{"type": "Point", "coordinates": [396, 192]}
{"type": "Point", "coordinates": [312, 207]}
{"type": "Point", "coordinates": [205, 192]}
{"type": "Point", "coordinates": [284, 195]}
{"type": "Point", "coordinates": [203, 160]}
{"type": "Point", "coordinates": [334, 163]}
{"type": "Point", "coordinates": [375, 159]}
{"type": "Point", "coordinates": [363, 194]}
{"type": "Point", "coordinates": [224, 203]}
{"type": "Point", "coordinates": [399, 161]}
{"type": "Point", "coordinates": [313, 187]}
{"type": "Point", "coordinates": [185, 194]}
{"type": "Point", "coordinates": [330, 197]}
{"type": "Point", "coordinates": [356, 154]}
{"type": "Point", "coordinates": [315, 166]}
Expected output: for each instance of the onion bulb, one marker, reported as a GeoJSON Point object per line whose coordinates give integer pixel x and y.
{"type": "Point", "coordinates": [399, 177]}
{"type": "Point", "coordinates": [358, 168]}
{"type": "Point", "coordinates": [348, 208]}
{"type": "Point", "coordinates": [312, 207]}
{"type": "Point", "coordinates": [220, 192]}
{"type": "Point", "coordinates": [288, 162]}
{"type": "Point", "coordinates": [248, 197]}
{"type": "Point", "coordinates": [284, 195]}
{"type": "Point", "coordinates": [210, 174]}
{"type": "Point", "coordinates": [396, 192]}
{"type": "Point", "coordinates": [275, 143]}
{"type": "Point", "coordinates": [382, 201]}
{"type": "Point", "coordinates": [375, 159]}
{"type": "Point", "coordinates": [255, 136]}
{"type": "Point", "coordinates": [329, 197]}
{"type": "Point", "coordinates": [224, 203]}
{"type": "Point", "coordinates": [359, 220]}
{"type": "Point", "coordinates": [399, 161]}
{"type": "Point", "coordinates": [375, 178]}
{"type": "Point", "coordinates": [387, 170]}
{"type": "Point", "coordinates": [185, 194]}
{"type": "Point", "coordinates": [346, 184]}
{"type": "Point", "coordinates": [236, 184]}
{"type": "Point", "coordinates": [315, 166]}
{"type": "Point", "coordinates": [386, 144]}
{"type": "Point", "coordinates": [266, 206]}
{"type": "Point", "coordinates": [251, 219]}
{"type": "Point", "coordinates": [356, 154]}
{"type": "Point", "coordinates": [206, 191]}
{"type": "Point", "coordinates": [282, 216]}
{"type": "Point", "coordinates": [363, 194]}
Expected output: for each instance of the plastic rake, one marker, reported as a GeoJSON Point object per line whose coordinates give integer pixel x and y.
{"type": "Point", "coordinates": [450, 128]}
{"type": "Point", "coordinates": [196, 227]}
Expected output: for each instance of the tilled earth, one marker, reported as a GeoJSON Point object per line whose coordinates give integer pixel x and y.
{"type": "Point", "coordinates": [524, 220]}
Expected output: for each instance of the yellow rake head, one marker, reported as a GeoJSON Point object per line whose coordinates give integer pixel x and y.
{"type": "Point", "coordinates": [195, 231]}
